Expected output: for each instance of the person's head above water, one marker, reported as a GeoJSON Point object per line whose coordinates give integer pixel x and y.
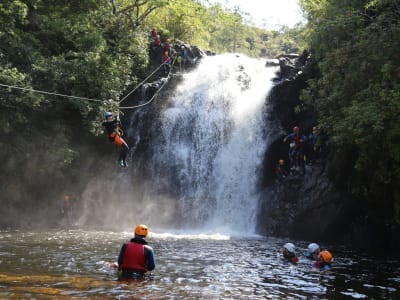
{"type": "Point", "coordinates": [141, 230]}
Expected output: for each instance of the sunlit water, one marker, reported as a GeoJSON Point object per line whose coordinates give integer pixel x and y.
{"type": "Point", "coordinates": [211, 141]}
{"type": "Point", "coordinates": [75, 264]}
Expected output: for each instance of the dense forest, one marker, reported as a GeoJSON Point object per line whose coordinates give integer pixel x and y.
{"type": "Point", "coordinates": [357, 95]}
{"type": "Point", "coordinates": [98, 50]}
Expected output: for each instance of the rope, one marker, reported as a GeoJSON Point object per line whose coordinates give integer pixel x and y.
{"type": "Point", "coordinates": [142, 82]}
{"type": "Point", "coordinates": [98, 100]}
{"type": "Point", "coordinates": [155, 94]}
{"type": "Point", "coordinates": [49, 93]}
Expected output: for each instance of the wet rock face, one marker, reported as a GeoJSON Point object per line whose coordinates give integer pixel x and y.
{"type": "Point", "coordinates": [310, 206]}
{"type": "Point", "coordinates": [301, 206]}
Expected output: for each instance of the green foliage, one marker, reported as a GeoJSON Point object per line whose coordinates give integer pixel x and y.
{"type": "Point", "coordinates": [222, 30]}
{"type": "Point", "coordinates": [95, 49]}
{"type": "Point", "coordinates": [358, 93]}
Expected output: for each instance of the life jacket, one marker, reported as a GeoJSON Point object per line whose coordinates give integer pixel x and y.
{"type": "Point", "coordinates": [66, 204]}
{"type": "Point", "coordinates": [166, 59]}
{"type": "Point", "coordinates": [296, 139]}
{"type": "Point", "coordinates": [157, 42]}
{"type": "Point", "coordinates": [134, 257]}
{"type": "Point", "coordinates": [117, 139]}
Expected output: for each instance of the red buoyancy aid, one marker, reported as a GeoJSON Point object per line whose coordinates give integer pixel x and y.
{"type": "Point", "coordinates": [297, 139]}
{"type": "Point", "coordinates": [134, 257]}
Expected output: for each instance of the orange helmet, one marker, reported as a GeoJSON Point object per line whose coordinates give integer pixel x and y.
{"type": "Point", "coordinates": [281, 161]}
{"type": "Point", "coordinates": [326, 256]}
{"type": "Point", "coordinates": [141, 230]}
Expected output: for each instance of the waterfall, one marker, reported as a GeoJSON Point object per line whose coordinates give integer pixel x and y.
{"type": "Point", "coordinates": [211, 142]}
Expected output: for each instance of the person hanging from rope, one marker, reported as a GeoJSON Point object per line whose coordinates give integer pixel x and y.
{"type": "Point", "coordinates": [113, 128]}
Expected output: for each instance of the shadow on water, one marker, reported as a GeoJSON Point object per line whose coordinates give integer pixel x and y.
{"type": "Point", "coordinates": [76, 264]}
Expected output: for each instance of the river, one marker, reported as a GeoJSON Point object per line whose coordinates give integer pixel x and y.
{"type": "Point", "coordinates": [65, 264]}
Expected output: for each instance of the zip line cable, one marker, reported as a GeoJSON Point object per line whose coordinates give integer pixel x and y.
{"type": "Point", "coordinates": [155, 94]}
{"type": "Point", "coordinates": [81, 98]}
{"type": "Point", "coordinates": [126, 96]}
{"type": "Point", "coordinates": [49, 93]}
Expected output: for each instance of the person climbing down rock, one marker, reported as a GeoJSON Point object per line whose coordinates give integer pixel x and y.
{"type": "Point", "coordinates": [296, 151]}
{"type": "Point", "coordinates": [280, 170]}
{"type": "Point", "coordinates": [113, 128]}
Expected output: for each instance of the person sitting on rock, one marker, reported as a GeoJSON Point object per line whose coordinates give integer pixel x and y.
{"type": "Point", "coordinates": [280, 170]}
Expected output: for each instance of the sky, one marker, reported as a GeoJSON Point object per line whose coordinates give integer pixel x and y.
{"type": "Point", "coordinates": [270, 14]}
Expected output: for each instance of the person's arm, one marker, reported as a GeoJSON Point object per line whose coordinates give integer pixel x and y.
{"type": "Point", "coordinates": [121, 255]}
{"type": "Point", "coordinates": [288, 138]}
{"type": "Point", "coordinates": [150, 261]}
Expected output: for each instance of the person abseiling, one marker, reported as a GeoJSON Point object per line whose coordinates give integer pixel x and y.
{"type": "Point", "coordinates": [289, 253]}
{"type": "Point", "coordinates": [313, 251]}
{"type": "Point", "coordinates": [324, 260]}
{"type": "Point", "coordinates": [112, 125]}
{"type": "Point", "coordinates": [136, 257]}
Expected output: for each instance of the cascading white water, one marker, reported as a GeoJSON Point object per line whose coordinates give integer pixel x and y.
{"type": "Point", "coordinates": [213, 142]}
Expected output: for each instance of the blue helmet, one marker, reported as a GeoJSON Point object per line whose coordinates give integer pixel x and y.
{"type": "Point", "coordinates": [107, 114]}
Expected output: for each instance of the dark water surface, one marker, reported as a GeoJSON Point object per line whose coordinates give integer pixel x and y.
{"type": "Point", "coordinates": [75, 264]}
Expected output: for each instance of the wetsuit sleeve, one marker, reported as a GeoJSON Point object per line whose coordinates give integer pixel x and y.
{"type": "Point", "coordinates": [150, 260]}
{"type": "Point", "coordinates": [121, 254]}
{"type": "Point", "coordinates": [289, 137]}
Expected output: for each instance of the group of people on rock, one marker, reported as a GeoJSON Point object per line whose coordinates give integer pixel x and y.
{"type": "Point", "coordinates": [167, 52]}
{"type": "Point", "coordinates": [303, 150]}
{"type": "Point", "coordinates": [322, 258]}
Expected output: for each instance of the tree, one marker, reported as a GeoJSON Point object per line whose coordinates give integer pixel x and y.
{"type": "Point", "coordinates": [356, 47]}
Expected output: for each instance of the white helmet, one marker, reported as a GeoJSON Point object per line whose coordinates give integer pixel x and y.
{"type": "Point", "coordinates": [312, 247]}
{"type": "Point", "coordinates": [290, 247]}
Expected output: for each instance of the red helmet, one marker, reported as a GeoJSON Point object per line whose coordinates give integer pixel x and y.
{"type": "Point", "coordinates": [296, 129]}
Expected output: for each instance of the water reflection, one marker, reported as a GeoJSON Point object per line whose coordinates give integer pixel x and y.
{"type": "Point", "coordinates": [76, 263]}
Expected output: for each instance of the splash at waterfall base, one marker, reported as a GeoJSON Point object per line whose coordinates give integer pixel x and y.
{"type": "Point", "coordinates": [309, 207]}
